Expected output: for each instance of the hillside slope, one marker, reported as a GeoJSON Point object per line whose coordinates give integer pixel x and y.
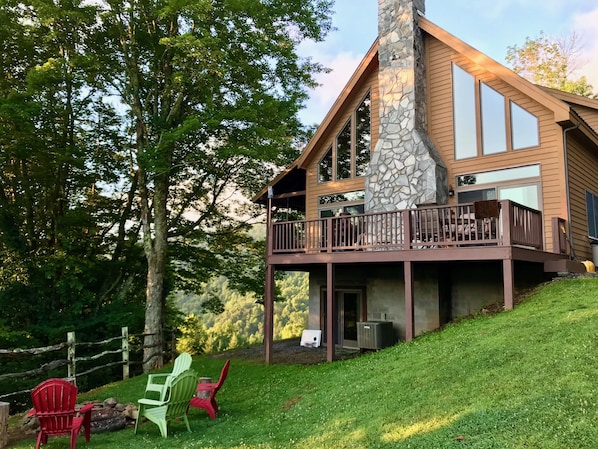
{"type": "Point", "coordinates": [526, 378]}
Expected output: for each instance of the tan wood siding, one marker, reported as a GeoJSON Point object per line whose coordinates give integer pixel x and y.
{"type": "Point", "coordinates": [440, 124]}
{"type": "Point", "coordinates": [314, 189]}
{"type": "Point", "coordinates": [590, 116]}
{"type": "Point", "coordinates": [583, 175]}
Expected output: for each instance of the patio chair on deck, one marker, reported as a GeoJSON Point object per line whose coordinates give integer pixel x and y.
{"type": "Point", "coordinates": [159, 383]}
{"type": "Point", "coordinates": [210, 390]}
{"type": "Point", "coordinates": [54, 406]}
{"type": "Point", "coordinates": [486, 213]}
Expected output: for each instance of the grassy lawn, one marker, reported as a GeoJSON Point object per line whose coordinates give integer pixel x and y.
{"type": "Point", "coordinates": [521, 379]}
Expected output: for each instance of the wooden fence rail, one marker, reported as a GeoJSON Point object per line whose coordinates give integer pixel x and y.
{"type": "Point", "coordinates": [73, 347]}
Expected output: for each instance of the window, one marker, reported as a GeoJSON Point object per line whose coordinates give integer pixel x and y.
{"type": "Point", "coordinates": [592, 211]}
{"type": "Point", "coordinates": [480, 117]}
{"type": "Point", "coordinates": [363, 136]}
{"type": "Point", "coordinates": [519, 184]}
{"type": "Point", "coordinates": [351, 202]}
{"type": "Point", "coordinates": [494, 127]}
{"type": "Point", "coordinates": [349, 156]}
{"type": "Point", "coordinates": [508, 174]}
{"type": "Point", "coordinates": [343, 153]}
{"type": "Point", "coordinates": [464, 114]}
{"type": "Point", "coordinates": [477, 195]}
{"type": "Point", "coordinates": [525, 128]}
{"type": "Point", "coordinates": [325, 167]}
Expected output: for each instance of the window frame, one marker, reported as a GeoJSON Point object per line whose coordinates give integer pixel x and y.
{"type": "Point", "coordinates": [333, 146]}
{"type": "Point", "coordinates": [510, 180]}
{"type": "Point", "coordinates": [356, 138]}
{"type": "Point", "coordinates": [330, 168]}
{"type": "Point", "coordinates": [465, 123]}
{"type": "Point", "coordinates": [592, 221]}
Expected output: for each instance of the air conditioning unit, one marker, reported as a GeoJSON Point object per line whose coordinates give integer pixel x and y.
{"type": "Point", "coordinates": [375, 334]}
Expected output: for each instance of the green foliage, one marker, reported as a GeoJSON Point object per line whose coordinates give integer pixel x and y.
{"type": "Point", "coordinates": [240, 320]}
{"type": "Point", "coordinates": [102, 203]}
{"type": "Point", "coordinates": [520, 379]}
{"type": "Point", "coordinates": [193, 336]}
{"type": "Point", "coordinates": [549, 62]}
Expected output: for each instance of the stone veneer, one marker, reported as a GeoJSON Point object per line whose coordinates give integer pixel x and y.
{"type": "Point", "coordinates": [405, 169]}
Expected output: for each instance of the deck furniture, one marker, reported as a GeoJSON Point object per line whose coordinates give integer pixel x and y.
{"type": "Point", "coordinates": [174, 405]}
{"type": "Point", "coordinates": [159, 383]}
{"type": "Point", "coordinates": [54, 403]}
{"type": "Point", "coordinates": [209, 403]}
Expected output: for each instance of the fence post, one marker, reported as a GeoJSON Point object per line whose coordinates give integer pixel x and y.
{"type": "Point", "coordinates": [125, 351]}
{"type": "Point", "coordinates": [72, 372]}
{"type": "Point", "coordinates": [4, 423]}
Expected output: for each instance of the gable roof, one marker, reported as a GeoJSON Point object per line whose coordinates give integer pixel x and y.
{"type": "Point", "coordinates": [559, 104]}
{"type": "Point", "coordinates": [560, 109]}
{"type": "Point", "coordinates": [370, 57]}
{"type": "Point", "coordinates": [301, 162]}
{"type": "Point", "coordinates": [586, 108]}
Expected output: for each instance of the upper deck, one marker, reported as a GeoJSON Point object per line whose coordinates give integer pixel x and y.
{"type": "Point", "coordinates": [482, 230]}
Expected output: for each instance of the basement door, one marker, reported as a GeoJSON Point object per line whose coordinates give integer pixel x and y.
{"type": "Point", "coordinates": [348, 311]}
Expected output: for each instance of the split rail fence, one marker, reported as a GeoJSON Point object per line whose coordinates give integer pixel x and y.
{"type": "Point", "coordinates": [72, 361]}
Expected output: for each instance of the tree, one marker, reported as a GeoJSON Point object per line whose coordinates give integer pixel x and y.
{"type": "Point", "coordinates": [550, 62]}
{"type": "Point", "coordinates": [59, 143]}
{"type": "Point", "coordinates": [212, 89]}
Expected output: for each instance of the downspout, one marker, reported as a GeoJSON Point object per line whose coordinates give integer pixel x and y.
{"type": "Point", "coordinates": [568, 190]}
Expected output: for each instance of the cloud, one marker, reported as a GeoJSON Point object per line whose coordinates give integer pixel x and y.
{"type": "Point", "coordinates": [586, 24]}
{"type": "Point", "coordinates": [331, 84]}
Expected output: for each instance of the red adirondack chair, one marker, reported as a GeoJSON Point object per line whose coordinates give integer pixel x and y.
{"type": "Point", "coordinates": [209, 404]}
{"type": "Point", "coordinates": [54, 405]}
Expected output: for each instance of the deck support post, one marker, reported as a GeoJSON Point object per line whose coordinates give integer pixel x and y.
{"type": "Point", "coordinates": [409, 301]}
{"type": "Point", "coordinates": [330, 321]}
{"type": "Point", "coordinates": [508, 283]}
{"type": "Point", "coordinates": [269, 313]}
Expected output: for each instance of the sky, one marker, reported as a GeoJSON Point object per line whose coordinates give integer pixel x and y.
{"type": "Point", "coordinates": [490, 26]}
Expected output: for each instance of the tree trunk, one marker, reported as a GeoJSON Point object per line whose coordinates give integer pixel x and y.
{"type": "Point", "coordinates": [157, 254]}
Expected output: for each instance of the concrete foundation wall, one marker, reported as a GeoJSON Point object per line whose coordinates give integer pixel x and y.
{"type": "Point", "coordinates": [474, 286]}
{"type": "Point", "coordinates": [443, 291]}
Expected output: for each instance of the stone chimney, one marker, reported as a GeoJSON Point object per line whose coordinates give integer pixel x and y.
{"type": "Point", "coordinates": [405, 168]}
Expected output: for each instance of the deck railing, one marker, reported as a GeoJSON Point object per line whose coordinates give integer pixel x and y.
{"type": "Point", "coordinates": [415, 229]}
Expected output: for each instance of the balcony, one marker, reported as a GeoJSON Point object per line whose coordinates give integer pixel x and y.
{"type": "Point", "coordinates": [468, 225]}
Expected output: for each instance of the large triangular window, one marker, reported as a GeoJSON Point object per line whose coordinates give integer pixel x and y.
{"type": "Point", "coordinates": [325, 167]}
{"type": "Point", "coordinates": [525, 130]}
{"type": "Point", "coordinates": [481, 116]}
{"type": "Point", "coordinates": [349, 156]}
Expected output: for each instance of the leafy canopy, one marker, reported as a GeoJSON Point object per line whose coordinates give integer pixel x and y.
{"type": "Point", "coordinates": [550, 62]}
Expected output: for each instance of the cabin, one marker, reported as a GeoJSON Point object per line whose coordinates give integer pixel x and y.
{"type": "Point", "coordinates": [439, 183]}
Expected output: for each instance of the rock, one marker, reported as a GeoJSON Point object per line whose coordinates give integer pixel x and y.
{"type": "Point", "coordinates": [110, 402]}
{"type": "Point", "coordinates": [130, 411]}
{"type": "Point", "coordinates": [30, 424]}
{"type": "Point", "coordinates": [120, 407]}
{"type": "Point", "coordinates": [106, 417]}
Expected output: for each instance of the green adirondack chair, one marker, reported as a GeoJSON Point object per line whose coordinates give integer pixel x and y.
{"type": "Point", "coordinates": [182, 388]}
{"type": "Point", "coordinates": [157, 384]}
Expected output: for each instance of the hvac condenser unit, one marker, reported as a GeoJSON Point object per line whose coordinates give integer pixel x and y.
{"type": "Point", "coordinates": [375, 334]}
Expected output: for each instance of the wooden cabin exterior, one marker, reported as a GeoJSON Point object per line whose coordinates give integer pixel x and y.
{"type": "Point", "coordinates": [515, 168]}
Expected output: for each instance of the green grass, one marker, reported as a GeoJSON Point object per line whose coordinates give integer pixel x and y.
{"type": "Point", "coordinates": [521, 379]}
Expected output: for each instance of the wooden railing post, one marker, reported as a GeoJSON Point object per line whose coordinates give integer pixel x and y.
{"type": "Point", "coordinates": [406, 219]}
{"type": "Point", "coordinates": [329, 234]}
{"type": "Point", "coordinates": [125, 351]}
{"type": "Point", "coordinates": [72, 371]}
{"type": "Point", "coordinates": [559, 236]}
{"type": "Point", "coordinates": [506, 222]}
